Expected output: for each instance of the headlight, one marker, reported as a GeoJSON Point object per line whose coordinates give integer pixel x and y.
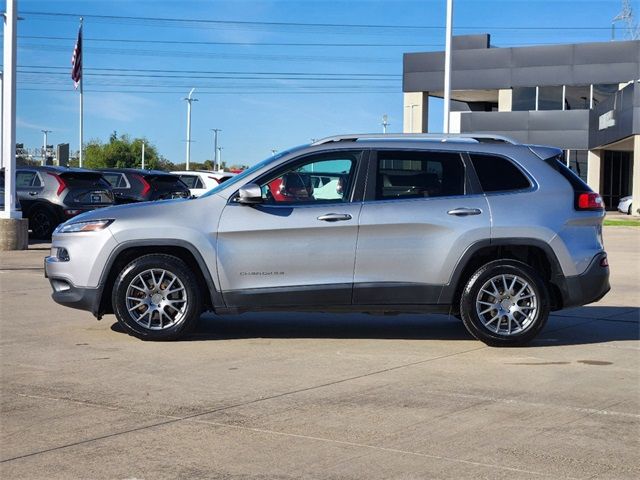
{"type": "Point", "coordinates": [88, 226]}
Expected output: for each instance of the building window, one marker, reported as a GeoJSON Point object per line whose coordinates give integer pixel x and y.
{"type": "Point", "coordinates": [577, 98]}
{"type": "Point", "coordinates": [550, 98]}
{"type": "Point", "coordinates": [523, 99]}
{"type": "Point", "coordinates": [602, 91]}
{"type": "Point", "coordinates": [576, 160]}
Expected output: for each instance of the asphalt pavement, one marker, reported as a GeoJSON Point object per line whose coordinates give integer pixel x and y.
{"type": "Point", "coordinates": [289, 396]}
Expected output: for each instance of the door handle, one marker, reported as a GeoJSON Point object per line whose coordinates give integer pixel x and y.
{"type": "Point", "coordinates": [463, 212]}
{"type": "Point", "coordinates": [33, 194]}
{"type": "Point", "coordinates": [335, 217]}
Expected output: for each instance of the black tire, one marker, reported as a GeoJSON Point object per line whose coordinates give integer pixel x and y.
{"type": "Point", "coordinates": [137, 271]}
{"type": "Point", "coordinates": [531, 325]}
{"type": "Point", "coordinates": [42, 222]}
{"type": "Point", "coordinates": [629, 210]}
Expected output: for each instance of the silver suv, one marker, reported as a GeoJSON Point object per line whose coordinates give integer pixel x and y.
{"type": "Point", "coordinates": [496, 233]}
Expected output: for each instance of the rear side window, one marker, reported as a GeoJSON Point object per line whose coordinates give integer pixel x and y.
{"type": "Point", "coordinates": [497, 174]}
{"type": "Point", "coordinates": [115, 179]}
{"type": "Point", "coordinates": [25, 179]}
{"type": "Point", "coordinates": [418, 174]}
{"type": "Point", "coordinates": [557, 163]}
{"type": "Point", "coordinates": [192, 181]}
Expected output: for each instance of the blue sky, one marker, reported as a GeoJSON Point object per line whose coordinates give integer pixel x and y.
{"type": "Point", "coordinates": [255, 114]}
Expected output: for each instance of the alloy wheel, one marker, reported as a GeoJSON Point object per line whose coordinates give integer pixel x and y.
{"type": "Point", "coordinates": [507, 305]}
{"type": "Point", "coordinates": [157, 299]}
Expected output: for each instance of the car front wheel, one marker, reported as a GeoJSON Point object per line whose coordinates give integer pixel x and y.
{"type": "Point", "coordinates": [156, 297]}
{"type": "Point", "coordinates": [505, 303]}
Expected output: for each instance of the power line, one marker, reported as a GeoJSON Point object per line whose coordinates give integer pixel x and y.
{"type": "Point", "coordinates": [229, 72]}
{"type": "Point", "coordinates": [299, 24]}
{"type": "Point", "coordinates": [259, 44]}
{"type": "Point", "coordinates": [210, 77]}
{"type": "Point", "coordinates": [177, 92]}
{"type": "Point", "coordinates": [226, 56]}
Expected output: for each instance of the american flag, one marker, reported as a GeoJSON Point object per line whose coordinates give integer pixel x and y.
{"type": "Point", "coordinates": [76, 61]}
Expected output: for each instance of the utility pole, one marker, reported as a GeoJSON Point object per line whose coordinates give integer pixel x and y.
{"type": "Point", "coordinates": [220, 155]}
{"type": "Point", "coordinates": [44, 146]}
{"type": "Point", "coordinates": [447, 67]}
{"type": "Point", "coordinates": [142, 155]}
{"type": "Point", "coordinates": [385, 123]}
{"type": "Point", "coordinates": [216, 165]}
{"type": "Point", "coordinates": [189, 100]}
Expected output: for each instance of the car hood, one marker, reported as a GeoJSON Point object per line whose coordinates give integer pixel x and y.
{"type": "Point", "coordinates": [128, 210]}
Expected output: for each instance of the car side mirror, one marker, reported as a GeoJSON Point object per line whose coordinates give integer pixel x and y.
{"type": "Point", "coordinates": [250, 194]}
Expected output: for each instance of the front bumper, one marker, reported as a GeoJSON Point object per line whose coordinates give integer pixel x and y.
{"type": "Point", "coordinates": [67, 294]}
{"type": "Point", "coordinates": [587, 287]}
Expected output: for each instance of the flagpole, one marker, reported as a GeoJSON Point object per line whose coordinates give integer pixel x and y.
{"type": "Point", "coordinates": [81, 102]}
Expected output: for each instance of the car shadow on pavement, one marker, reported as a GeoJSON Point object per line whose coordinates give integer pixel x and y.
{"type": "Point", "coordinates": [584, 325]}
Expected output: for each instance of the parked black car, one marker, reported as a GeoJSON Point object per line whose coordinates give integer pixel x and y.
{"type": "Point", "coordinates": [132, 185]}
{"type": "Point", "coordinates": [50, 195]}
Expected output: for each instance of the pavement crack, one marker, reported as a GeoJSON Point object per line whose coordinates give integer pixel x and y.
{"type": "Point", "coordinates": [237, 405]}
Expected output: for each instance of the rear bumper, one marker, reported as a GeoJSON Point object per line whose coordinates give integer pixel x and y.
{"type": "Point", "coordinates": [588, 287]}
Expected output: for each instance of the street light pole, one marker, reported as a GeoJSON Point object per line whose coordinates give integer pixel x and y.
{"type": "Point", "coordinates": [44, 146]}
{"type": "Point", "coordinates": [189, 100]}
{"type": "Point", "coordinates": [9, 110]}
{"type": "Point", "coordinates": [220, 155]}
{"type": "Point", "coordinates": [216, 165]}
{"type": "Point", "coordinates": [447, 67]}
{"type": "Point", "coordinates": [385, 123]}
{"type": "Point", "coordinates": [142, 156]}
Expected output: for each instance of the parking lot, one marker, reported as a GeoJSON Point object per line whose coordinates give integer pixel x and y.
{"type": "Point", "coordinates": [317, 395]}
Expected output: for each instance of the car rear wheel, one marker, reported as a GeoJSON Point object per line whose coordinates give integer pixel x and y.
{"type": "Point", "coordinates": [42, 222]}
{"type": "Point", "coordinates": [629, 210]}
{"type": "Point", "coordinates": [156, 297]}
{"type": "Point", "coordinates": [505, 303]}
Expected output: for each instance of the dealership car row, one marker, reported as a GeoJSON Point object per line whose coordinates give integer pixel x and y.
{"type": "Point", "coordinates": [50, 195]}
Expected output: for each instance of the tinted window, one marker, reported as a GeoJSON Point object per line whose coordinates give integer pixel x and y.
{"type": "Point", "coordinates": [497, 174]}
{"type": "Point", "coordinates": [190, 181]}
{"type": "Point", "coordinates": [577, 98]}
{"type": "Point", "coordinates": [550, 98]}
{"type": "Point", "coordinates": [523, 99]}
{"type": "Point", "coordinates": [24, 179]}
{"type": "Point", "coordinates": [115, 179]}
{"type": "Point", "coordinates": [322, 178]}
{"type": "Point", "coordinates": [404, 174]}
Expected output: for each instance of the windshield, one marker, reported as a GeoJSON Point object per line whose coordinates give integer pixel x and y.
{"type": "Point", "coordinates": [241, 176]}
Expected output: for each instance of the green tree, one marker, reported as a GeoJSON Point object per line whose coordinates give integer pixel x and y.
{"type": "Point", "coordinates": [123, 152]}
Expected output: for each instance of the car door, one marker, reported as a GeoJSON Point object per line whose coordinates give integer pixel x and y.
{"type": "Point", "coordinates": [296, 248]}
{"type": "Point", "coordinates": [419, 216]}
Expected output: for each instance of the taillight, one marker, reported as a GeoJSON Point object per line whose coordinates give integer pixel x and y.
{"type": "Point", "coordinates": [61, 184]}
{"type": "Point", "coordinates": [145, 185]}
{"type": "Point", "coordinates": [589, 201]}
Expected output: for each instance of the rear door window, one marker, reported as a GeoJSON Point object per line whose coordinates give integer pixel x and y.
{"type": "Point", "coordinates": [419, 174]}
{"type": "Point", "coordinates": [497, 174]}
{"type": "Point", "coordinates": [25, 178]}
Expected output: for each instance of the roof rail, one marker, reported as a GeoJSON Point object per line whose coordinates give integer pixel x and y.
{"type": "Point", "coordinates": [442, 137]}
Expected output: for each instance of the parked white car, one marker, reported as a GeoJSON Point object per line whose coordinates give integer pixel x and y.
{"type": "Point", "coordinates": [625, 205]}
{"type": "Point", "coordinates": [201, 181]}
